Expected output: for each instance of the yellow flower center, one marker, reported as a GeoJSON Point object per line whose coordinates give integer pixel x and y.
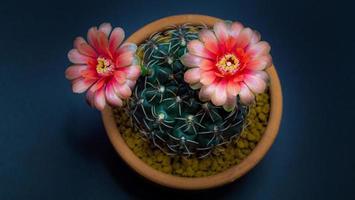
{"type": "Point", "coordinates": [228, 64]}
{"type": "Point", "coordinates": [104, 66]}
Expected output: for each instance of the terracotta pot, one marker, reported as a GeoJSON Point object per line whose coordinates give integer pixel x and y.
{"type": "Point", "coordinates": [219, 179]}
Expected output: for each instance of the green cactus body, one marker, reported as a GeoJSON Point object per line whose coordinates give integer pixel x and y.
{"type": "Point", "coordinates": [167, 110]}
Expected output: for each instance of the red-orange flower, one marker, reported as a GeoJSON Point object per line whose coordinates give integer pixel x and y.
{"type": "Point", "coordinates": [103, 66]}
{"type": "Point", "coordinates": [226, 62]}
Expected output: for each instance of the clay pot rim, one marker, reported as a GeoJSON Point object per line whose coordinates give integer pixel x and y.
{"type": "Point", "coordinates": [189, 183]}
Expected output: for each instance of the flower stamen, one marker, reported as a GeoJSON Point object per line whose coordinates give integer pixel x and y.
{"type": "Point", "coordinates": [104, 66]}
{"type": "Point", "coordinates": [228, 64]}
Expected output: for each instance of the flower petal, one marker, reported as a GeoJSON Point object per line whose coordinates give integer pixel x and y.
{"type": "Point", "coordinates": [259, 63]}
{"type": "Point", "coordinates": [105, 28]}
{"type": "Point", "coordinates": [132, 72]}
{"type": "Point", "coordinates": [230, 103]}
{"type": "Point", "coordinates": [78, 40]}
{"type": "Point", "coordinates": [244, 37]}
{"type": "Point", "coordinates": [246, 96]}
{"type": "Point", "coordinates": [197, 48]}
{"type": "Point", "coordinates": [125, 59]}
{"type": "Point", "coordinates": [206, 92]}
{"type": "Point", "coordinates": [219, 96]}
{"type": "Point", "coordinates": [120, 77]}
{"type": "Point", "coordinates": [210, 41]}
{"type": "Point", "coordinates": [131, 83]}
{"type": "Point", "coordinates": [190, 60]}
{"type": "Point", "coordinates": [84, 48]}
{"type": "Point", "coordinates": [74, 71]}
{"type": "Point", "coordinates": [93, 37]}
{"type": "Point", "coordinates": [256, 84]}
{"type": "Point", "coordinates": [90, 74]}
{"type": "Point", "coordinates": [207, 65]}
{"type": "Point", "coordinates": [116, 38]}
{"type": "Point", "coordinates": [196, 86]}
{"type": "Point", "coordinates": [259, 49]}
{"type": "Point", "coordinates": [80, 85]}
{"type": "Point", "coordinates": [192, 76]}
{"type": "Point", "coordinates": [233, 88]}
{"type": "Point", "coordinates": [255, 38]}
{"type": "Point", "coordinates": [195, 61]}
{"type": "Point", "coordinates": [87, 50]}
{"type": "Point", "coordinates": [101, 83]}
{"type": "Point", "coordinates": [123, 90]}
{"type": "Point", "coordinates": [111, 96]}
{"type": "Point", "coordinates": [90, 95]}
{"type": "Point", "coordinates": [260, 74]}
{"type": "Point", "coordinates": [222, 32]}
{"type": "Point", "coordinates": [234, 31]}
{"type": "Point", "coordinates": [99, 41]}
{"type": "Point", "coordinates": [238, 78]}
{"type": "Point", "coordinates": [76, 57]}
{"type": "Point", "coordinates": [207, 77]}
{"type": "Point", "coordinates": [126, 47]}
{"type": "Point", "coordinates": [99, 99]}
{"type": "Point", "coordinates": [103, 44]}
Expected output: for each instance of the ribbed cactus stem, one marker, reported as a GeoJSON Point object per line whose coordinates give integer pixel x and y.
{"type": "Point", "coordinates": [167, 110]}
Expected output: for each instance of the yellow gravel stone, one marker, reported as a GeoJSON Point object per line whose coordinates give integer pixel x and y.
{"type": "Point", "coordinates": [262, 117]}
{"type": "Point", "coordinates": [176, 165]}
{"type": "Point", "coordinates": [266, 109]}
{"type": "Point", "coordinates": [199, 173]}
{"type": "Point", "coordinates": [189, 171]}
{"type": "Point", "coordinates": [167, 169]}
{"type": "Point", "coordinates": [252, 145]}
{"type": "Point", "coordinates": [246, 151]}
{"type": "Point", "coordinates": [179, 171]}
{"type": "Point", "coordinates": [186, 161]}
{"type": "Point", "coordinates": [240, 144]}
{"type": "Point", "coordinates": [251, 137]}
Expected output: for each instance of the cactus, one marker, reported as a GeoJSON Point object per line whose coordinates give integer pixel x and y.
{"type": "Point", "coordinates": [167, 110]}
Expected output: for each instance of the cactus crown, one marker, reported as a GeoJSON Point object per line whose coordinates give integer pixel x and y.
{"type": "Point", "coordinates": [167, 110]}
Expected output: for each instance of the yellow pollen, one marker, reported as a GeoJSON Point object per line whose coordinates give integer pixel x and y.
{"type": "Point", "coordinates": [228, 64]}
{"type": "Point", "coordinates": [103, 66]}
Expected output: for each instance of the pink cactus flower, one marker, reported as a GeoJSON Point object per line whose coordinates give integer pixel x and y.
{"type": "Point", "coordinates": [226, 62]}
{"type": "Point", "coordinates": [103, 67]}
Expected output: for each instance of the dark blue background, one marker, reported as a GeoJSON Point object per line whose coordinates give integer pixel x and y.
{"type": "Point", "coordinates": [53, 146]}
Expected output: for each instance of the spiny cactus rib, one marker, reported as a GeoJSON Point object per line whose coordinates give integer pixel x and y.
{"type": "Point", "coordinates": [166, 110]}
